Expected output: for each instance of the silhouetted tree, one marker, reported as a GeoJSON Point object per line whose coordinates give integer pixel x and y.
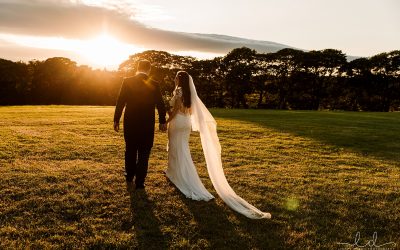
{"type": "Point", "coordinates": [14, 82]}
{"type": "Point", "coordinates": [287, 79]}
{"type": "Point", "coordinates": [237, 68]}
{"type": "Point", "coordinates": [208, 83]}
{"type": "Point", "coordinates": [386, 67]}
{"type": "Point", "coordinates": [262, 76]}
{"type": "Point", "coordinates": [285, 64]}
{"type": "Point", "coordinates": [164, 66]}
{"type": "Point", "coordinates": [52, 80]}
{"type": "Point", "coordinates": [325, 67]}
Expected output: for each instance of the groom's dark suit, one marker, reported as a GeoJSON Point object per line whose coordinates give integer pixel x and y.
{"type": "Point", "coordinates": [140, 95]}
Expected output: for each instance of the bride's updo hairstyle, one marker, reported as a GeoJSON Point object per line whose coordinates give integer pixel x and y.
{"type": "Point", "coordinates": [183, 81]}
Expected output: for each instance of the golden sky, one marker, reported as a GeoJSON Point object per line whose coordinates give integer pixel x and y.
{"type": "Point", "coordinates": [104, 33]}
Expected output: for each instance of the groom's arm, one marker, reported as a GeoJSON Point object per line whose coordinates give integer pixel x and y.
{"type": "Point", "coordinates": [160, 105]}
{"type": "Point", "coordinates": [121, 102]}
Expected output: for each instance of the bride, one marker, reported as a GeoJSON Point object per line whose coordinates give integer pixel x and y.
{"type": "Point", "coordinates": [189, 113]}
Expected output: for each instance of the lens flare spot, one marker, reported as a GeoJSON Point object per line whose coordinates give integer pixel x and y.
{"type": "Point", "coordinates": [291, 204]}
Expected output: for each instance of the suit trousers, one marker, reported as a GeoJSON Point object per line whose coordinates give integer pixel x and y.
{"type": "Point", "coordinates": [136, 162]}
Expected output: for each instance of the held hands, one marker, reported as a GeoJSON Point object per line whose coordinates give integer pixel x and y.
{"type": "Point", "coordinates": [163, 127]}
{"type": "Point", "coordinates": [116, 126]}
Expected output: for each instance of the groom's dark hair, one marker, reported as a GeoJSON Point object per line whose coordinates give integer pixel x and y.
{"type": "Point", "coordinates": [144, 65]}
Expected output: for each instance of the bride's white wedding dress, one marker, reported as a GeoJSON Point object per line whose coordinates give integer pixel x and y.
{"type": "Point", "coordinates": [181, 170]}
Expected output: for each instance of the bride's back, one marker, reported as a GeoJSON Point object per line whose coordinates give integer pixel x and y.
{"type": "Point", "coordinates": [179, 102]}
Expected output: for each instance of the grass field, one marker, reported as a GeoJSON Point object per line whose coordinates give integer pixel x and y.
{"type": "Point", "coordinates": [324, 176]}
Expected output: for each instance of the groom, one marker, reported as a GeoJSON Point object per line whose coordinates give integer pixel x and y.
{"type": "Point", "coordinates": [140, 94]}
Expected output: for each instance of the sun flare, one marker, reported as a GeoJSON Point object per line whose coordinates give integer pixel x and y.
{"type": "Point", "coordinates": [103, 51]}
{"type": "Point", "coordinates": [106, 51]}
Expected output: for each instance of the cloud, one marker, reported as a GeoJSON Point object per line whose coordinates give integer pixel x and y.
{"type": "Point", "coordinates": [58, 18]}
{"type": "Point", "coordinates": [74, 20]}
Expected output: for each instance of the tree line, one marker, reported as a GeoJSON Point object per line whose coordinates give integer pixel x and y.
{"type": "Point", "coordinates": [287, 79]}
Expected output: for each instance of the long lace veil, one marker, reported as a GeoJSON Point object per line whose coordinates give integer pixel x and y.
{"type": "Point", "coordinates": [204, 122]}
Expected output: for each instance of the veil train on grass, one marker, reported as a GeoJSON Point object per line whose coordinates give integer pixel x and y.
{"type": "Point", "coordinates": [204, 122]}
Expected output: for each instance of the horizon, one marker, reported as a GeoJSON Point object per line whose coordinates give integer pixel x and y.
{"type": "Point", "coordinates": [109, 31]}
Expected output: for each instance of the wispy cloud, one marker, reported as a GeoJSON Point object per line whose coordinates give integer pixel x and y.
{"type": "Point", "coordinates": [85, 19]}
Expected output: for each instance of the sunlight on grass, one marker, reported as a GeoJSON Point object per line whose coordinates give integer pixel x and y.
{"type": "Point", "coordinates": [324, 176]}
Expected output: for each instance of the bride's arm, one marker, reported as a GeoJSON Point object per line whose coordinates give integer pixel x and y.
{"type": "Point", "coordinates": [175, 109]}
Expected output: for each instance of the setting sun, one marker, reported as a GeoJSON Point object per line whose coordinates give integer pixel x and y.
{"type": "Point", "coordinates": [103, 51]}
{"type": "Point", "coordinates": [106, 51]}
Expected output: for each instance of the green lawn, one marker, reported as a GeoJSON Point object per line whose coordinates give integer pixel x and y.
{"type": "Point", "coordinates": [324, 176]}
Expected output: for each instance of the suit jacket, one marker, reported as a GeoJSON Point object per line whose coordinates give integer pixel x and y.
{"type": "Point", "coordinates": [140, 95]}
